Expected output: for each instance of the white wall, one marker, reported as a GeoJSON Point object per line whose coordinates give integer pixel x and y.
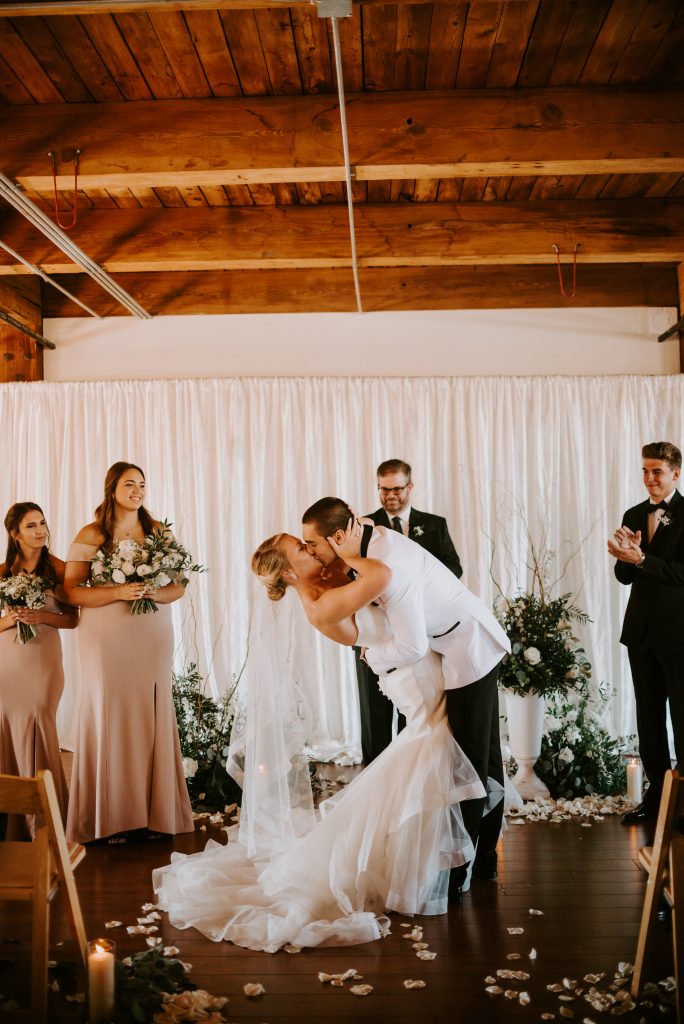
{"type": "Point", "coordinates": [413, 344]}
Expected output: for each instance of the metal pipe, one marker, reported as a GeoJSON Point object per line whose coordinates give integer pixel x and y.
{"type": "Point", "coordinates": [347, 166]}
{"type": "Point", "coordinates": [675, 329]}
{"type": "Point", "coordinates": [23, 205]}
{"type": "Point", "coordinates": [43, 342]}
{"type": "Point", "coordinates": [56, 7]}
{"type": "Point", "coordinates": [48, 280]}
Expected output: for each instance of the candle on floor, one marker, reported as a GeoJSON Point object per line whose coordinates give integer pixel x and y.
{"type": "Point", "coordinates": [101, 953]}
{"type": "Point", "coordinates": [635, 779]}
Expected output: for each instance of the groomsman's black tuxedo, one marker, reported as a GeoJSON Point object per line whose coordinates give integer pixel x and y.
{"type": "Point", "coordinates": [653, 632]}
{"type": "Point", "coordinates": [432, 533]}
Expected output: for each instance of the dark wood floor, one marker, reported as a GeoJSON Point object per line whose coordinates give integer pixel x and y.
{"type": "Point", "coordinates": [585, 880]}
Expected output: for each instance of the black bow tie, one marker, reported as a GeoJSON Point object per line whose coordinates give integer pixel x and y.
{"type": "Point", "coordinates": [654, 508]}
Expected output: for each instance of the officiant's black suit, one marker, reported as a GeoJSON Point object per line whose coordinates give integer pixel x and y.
{"type": "Point", "coordinates": [653, 632]}
{"type": "Point", "coordinates": [432, 533]}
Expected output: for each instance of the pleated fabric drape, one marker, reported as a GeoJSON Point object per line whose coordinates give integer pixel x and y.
{"type": "Point", "coordinates": [232, 461]}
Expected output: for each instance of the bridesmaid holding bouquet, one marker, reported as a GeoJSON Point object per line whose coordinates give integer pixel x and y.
{"type": "Point", "coordinates": [127, 776]}
{"type": "Point", "coordinates": [31, 673]}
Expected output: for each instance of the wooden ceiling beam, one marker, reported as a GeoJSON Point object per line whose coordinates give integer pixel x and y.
{"type": "Point", "coordinates": [34, 8]}
{"type": "Point", "coordinates": [265, 139]}
{"type": "Point", "coordinates": [332, 290]}
{"type": "Point", "coordinates": [420, 234]}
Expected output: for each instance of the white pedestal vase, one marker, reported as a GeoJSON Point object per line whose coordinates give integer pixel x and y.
{"type": "Point", "coordinates": [525, 722]}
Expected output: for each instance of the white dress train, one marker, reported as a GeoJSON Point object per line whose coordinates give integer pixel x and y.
{"type": "Point", "coordinates": [386, 842]}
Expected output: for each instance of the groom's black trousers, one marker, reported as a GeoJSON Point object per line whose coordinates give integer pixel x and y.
{"type": "Point", "coordinates": [473, 713]}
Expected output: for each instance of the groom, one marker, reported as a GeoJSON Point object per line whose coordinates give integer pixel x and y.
{"type": "Point", "coordinates": [428, 607]}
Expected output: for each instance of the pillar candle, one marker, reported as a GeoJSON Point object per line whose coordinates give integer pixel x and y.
{"type": "Point", "coordinates": [634, 781]}
{"type": "Point", "coordinates": [100, 981]}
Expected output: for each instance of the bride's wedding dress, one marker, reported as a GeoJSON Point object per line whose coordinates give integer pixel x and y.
{"type": "Point", "coordinates": [385, 842]}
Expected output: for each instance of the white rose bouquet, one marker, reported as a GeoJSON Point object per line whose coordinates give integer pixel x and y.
{"type": "Point", "coordinates": [157, 560]}
{"type": "Point", "coordinates": [23, 591]}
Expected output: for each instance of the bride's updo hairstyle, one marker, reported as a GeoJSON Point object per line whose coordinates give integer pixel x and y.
{"type": "Point", "coordinates": [268, 563]}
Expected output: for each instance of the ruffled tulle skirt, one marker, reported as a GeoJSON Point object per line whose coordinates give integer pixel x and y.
{"type": "Point", "coordinates": [386, 842]}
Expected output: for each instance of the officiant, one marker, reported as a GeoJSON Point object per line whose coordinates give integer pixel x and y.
{"type": "Point", "coordinates": [432, 533]}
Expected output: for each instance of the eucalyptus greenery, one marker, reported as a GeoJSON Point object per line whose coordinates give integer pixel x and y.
{"type": "Point", "coordinates": [204, 726]}
{"type": "Point", "coordinates": [546, 657]}
{"type": "Point", "coordinates": [141, 984]}
{"type": "Point", "coordinates": [578, 756]}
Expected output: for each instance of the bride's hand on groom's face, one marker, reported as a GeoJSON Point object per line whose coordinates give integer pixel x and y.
{"type": "Point", "coordinates": [346, 543]}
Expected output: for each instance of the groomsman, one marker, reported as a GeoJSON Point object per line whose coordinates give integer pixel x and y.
{"type": "Point", "coordinates": [649, 553]}
{"type": "Point", "coordinates": [432, 533]}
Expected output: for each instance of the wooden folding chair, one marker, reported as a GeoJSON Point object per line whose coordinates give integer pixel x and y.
{"type": "Point", "coordinates": [664, 862]}
{"type": "Point", "coordinates": [33, 871]}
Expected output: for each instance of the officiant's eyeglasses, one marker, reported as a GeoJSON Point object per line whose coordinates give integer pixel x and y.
{"type": "Point", "coordinates": [392, 490]}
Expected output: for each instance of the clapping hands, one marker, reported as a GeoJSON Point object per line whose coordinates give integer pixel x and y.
{"type": "Point", "coordinates": [626, 545]}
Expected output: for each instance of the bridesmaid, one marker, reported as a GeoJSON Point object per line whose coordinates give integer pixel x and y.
{"type": "Point", "coordinates": [31, 674]}
{"type": "Point", "coordinates": [127, 776]}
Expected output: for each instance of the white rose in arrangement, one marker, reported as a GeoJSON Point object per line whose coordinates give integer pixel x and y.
{"type": "Point", "coordinates": [127, 548]}
{"type": "Point", "coordinates": [532, 656]}
{"type": "Point", "coordinates": [143, 570]}
{"type": "Point", "coordinates": [97, 569]}
{"type": "Point", "coordinates": [566, 755]}
{"type": "Point", "coordinates": [162, 580]}
{"type": "Point", "coordinates": [572, 673]}
{"type": "Point", "coordinates": [571, 715]}
{"type": "Point", "coordinates": [128, 568]}
{"type": "Point", "coordinates": [118, 576]}
{"type": "Point", "coordinates": [190, 767]}
{"type": "Point", "coordinates": [573, 735]}
{"type": "Point", "coordinates": [551, 723]}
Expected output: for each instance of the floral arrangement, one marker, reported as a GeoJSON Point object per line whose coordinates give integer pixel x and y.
{"type": "Point", "coordinates": [158, 560]}
{"type": "Point", "coordinates": [578, 756]}
{"type": "Point", "coordinates": [204, 727]}
{"type": "Point", "coordinates": [546, 657]}
{"type": "Point", "coordinates": [23, 591]}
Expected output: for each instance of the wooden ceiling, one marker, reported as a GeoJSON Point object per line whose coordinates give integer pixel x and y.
{"type": "Point", "coordinates": [482, 134]}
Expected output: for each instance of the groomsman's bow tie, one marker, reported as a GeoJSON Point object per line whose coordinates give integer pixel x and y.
{"type": "Point", "coordinates": [654, 508]}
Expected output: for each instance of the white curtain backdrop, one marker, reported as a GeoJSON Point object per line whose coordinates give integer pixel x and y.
{"type": "Point", "coordinates": [232, 461]}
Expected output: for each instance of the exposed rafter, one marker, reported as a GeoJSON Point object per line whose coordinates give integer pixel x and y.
{"type": "Point", "coordinates": [391, 136]}
{"type": "Point", "coordinates": [436, 234]}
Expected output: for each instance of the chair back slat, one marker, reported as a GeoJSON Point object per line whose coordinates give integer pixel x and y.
{"type": "Point", "coordinates": [19, 796]}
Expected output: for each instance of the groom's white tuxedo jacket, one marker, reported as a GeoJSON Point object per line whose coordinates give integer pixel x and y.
{"type": "Point", "coordinates": [428, 607]}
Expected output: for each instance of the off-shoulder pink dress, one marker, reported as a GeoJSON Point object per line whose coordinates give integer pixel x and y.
{"type": "Point", "coordinates": [127, 772]}
{"type": "Point", "coordinates": [31, 685]}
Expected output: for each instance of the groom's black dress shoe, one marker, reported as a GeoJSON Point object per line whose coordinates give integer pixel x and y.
{"type": "Point", "coordinates": [644, 812]}
{"type": "Point", "coordinates": [484, 868]}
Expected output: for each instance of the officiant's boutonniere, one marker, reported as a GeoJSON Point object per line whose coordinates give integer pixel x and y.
{"type": "Point", "coordinates": [417, 531]}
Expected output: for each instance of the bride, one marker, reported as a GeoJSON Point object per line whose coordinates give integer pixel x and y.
{"type": "Point", "coordinates": [384, 843]}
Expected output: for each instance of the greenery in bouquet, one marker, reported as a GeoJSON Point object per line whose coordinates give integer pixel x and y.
{"type": "Point", "coordinates": [546, 657]}
{"type": "Point", "coordinates": [204, 727]}
{"type": "Point", "coordinates": [157, 560]}
{"type": "Point", "coordinates": [23, 590]}
{"type": "Point", "coordinates": [578, 756]}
